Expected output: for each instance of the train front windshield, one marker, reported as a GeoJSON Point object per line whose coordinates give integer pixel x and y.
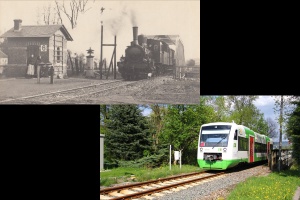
{"type": "Point", "coordinates": [214, 136]}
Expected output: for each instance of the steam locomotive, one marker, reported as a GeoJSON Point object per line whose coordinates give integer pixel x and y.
{"type": "Point", "coordinates": [146, 57]}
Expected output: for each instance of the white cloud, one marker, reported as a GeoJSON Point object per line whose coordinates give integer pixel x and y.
{"type": "Point", "coordinates": [264, 101]}
{"type": "Point", "coordinates": [146, 112]}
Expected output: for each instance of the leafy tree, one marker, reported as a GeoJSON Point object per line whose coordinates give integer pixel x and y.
{"type": "Point", "coordinates": [127, 133]}
{"type": "Point", "coordinates": [104, 112]}
{"type": "Point", "coordinates": [221, 107]}
{"type": "Point", "coordinates": [243, 111]}
{"type": "Point", "coordinates": [191, 62]}
{"type": "Point", "coordinates": [293, 125]}
{"type": "Point", "coordinates": [181, 127]}
{"type": "Point", "coordinates": [284, 106]}
{"type": "Point", "coordinates": [156, 120]}
{"type": "Point", "coordinates": [293, 130]}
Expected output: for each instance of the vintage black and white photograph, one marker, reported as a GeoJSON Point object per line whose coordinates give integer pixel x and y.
{"type": "Point", "coordinates": [99, 52]}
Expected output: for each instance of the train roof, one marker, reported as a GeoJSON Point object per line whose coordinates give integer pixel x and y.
{"type": "Point", "coordinates": [169, 39]}
{"type": "Point", "coordinates": [219, 123]}
{"type": "Point", "coordinates": [257, 135]}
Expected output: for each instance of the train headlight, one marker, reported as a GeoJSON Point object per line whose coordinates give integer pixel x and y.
{"type": "Point", "coordinates": [201, 149]}
{"type": "Point", "coordinates": [224, 149]}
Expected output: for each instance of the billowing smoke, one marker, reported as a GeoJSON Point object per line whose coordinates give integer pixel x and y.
{"type": "Point", "coordinates": [116, 19]}
{"type": "Point", "coordinates": [133, 18]}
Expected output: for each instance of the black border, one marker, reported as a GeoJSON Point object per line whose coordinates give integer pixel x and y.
{"type": "Point", "coordinates": [247, 48]}
{"type": "Point", "coordinates": [51, 152]}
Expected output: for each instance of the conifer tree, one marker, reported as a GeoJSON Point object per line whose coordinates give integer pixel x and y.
{"type": "Point", "coordinates": [128, 133]}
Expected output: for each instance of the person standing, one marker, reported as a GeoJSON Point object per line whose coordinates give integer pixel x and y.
{"type": "Point", "coordinates": [76, 64]}
{"type": "Point", "coordinates": [30, 66]}
{"type": "Point", "coordinates": [38, 67]}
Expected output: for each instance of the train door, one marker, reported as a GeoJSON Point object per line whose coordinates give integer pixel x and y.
{"type": "Point", "coordinates": [251, 149]}
{"type": "Point", "coordinates": [235, 143]}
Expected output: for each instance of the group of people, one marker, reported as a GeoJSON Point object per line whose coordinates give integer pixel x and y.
{"type": "Point", "coordinates": [32, 66]}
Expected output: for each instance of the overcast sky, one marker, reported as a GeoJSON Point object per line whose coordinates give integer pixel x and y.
{"type": "Point", "coordinates": [152, 17]}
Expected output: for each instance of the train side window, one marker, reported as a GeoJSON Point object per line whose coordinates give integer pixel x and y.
{"type": "Point", "coordinates": [235, 135]}
{"type": "Point", "coordinates": [155, 47]}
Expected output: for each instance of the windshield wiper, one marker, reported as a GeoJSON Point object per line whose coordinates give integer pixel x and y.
{"type": "Point", "coordinates": [219, 141]}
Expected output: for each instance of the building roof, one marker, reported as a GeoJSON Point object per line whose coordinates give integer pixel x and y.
{"type": "Point", "coordinates": [169, 39]}
{"type": "Point", "coordinates": [37, 31]}
{"type": "Point", "coordinates": [3, 55]}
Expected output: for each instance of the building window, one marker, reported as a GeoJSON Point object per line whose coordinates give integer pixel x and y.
{"type": "Point", "coordinates": [58, 53]}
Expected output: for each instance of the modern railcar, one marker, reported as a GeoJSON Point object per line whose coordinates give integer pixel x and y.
{"type": "Point", "coordinates": [223, 145]}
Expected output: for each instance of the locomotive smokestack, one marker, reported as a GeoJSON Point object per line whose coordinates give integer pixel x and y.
{"type": "Point", "coordinates": [135, 35]}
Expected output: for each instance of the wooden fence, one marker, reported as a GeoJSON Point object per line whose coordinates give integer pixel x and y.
{"type": "Point", "coordinates": [286, 159]}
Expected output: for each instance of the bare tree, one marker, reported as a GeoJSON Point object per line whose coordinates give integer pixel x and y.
{"type": "Point", "coordinates": [71, 10]}
{"type": "Point", "coordinates": [48, 15]}
{"type": "Point", "coordinates": [272, 128]}
{"type": "Point", "coordinates": [58, 12]}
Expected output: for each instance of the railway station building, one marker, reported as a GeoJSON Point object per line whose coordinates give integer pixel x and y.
{"type": "Point", "coordinates": [3, 61]}
{"type": "Point", "coordinates": [47, 41]}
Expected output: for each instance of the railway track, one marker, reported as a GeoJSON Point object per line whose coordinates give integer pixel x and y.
{"type": "Point", "coordinates": [65, 95]}
{"type": "Point", "coordinates": [149, 189]}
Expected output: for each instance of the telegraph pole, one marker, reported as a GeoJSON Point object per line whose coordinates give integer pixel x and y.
{"type": "Point", "coordinates": [280, 131]}
{"type": "Point", "coordinates": [115, 58]}
{"type": "Point", "coordinates": [101, 63]}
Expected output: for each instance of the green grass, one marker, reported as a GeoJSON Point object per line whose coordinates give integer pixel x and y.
{"type": "Point", "coordinates": [119, 175]}
{"type": "Point", "coordinates": [275, 186]}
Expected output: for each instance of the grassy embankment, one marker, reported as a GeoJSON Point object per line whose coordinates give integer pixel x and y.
{"type": "Point", "coordinates": [119, 175]}
{"type": "Point", "coordinates": [277, 185]}
{"type": "Point", "coordinates": [274, 186]}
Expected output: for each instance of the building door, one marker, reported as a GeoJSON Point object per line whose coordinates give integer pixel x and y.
{"type": "Point", "coordinates": [251, 149]}
{"type": "Point", "coordinates": [32, 50]}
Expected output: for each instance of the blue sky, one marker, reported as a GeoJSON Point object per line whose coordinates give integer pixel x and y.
{"type": "Point", "coordinates": [266, 105]}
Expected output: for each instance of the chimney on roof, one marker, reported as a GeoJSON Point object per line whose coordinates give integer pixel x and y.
{"type": "Point", "coordinates": [18, 24]}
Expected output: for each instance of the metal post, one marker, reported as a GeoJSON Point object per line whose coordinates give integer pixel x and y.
{"type": "Point", "coordinates": [62, 55]}
{"type": "Point", "coordinates": [280, 131]}
{"type": "Point", "coordinates": [101, 50]}
{"type": "Point", "coordinates": [51, 74]}
{"type": "Point", "coordinates": [38, 73]}
{"type": "Point", "coordinates": [105, 69]}
{"type": "Point", "coordinates": [180, 158]}
{"type": "Point", "coordinates": [170, 157]}
{"type": "Point", "coordinates": [115, 60]}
